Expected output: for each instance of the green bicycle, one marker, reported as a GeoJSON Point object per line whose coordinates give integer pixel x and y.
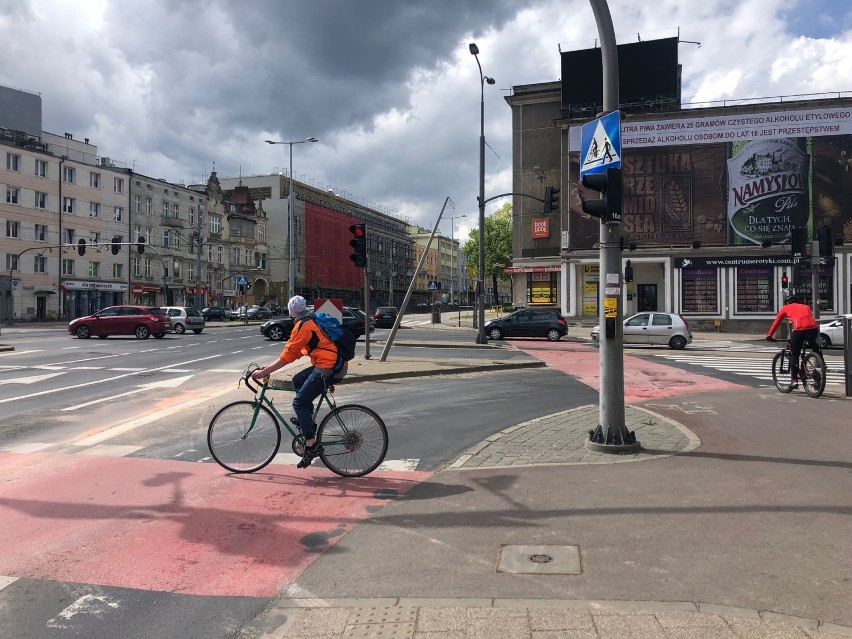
{"type": "Point", "coordinates": [245, 436]}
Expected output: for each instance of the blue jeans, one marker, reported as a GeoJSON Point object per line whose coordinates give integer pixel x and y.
{"type": "Point", "coordinates": [309, 385]}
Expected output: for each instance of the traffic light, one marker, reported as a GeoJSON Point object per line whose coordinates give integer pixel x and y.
{"type": "Point", "coordinates": [785, 283]}
{"type": "Point", "coordinates": [826, 242]}
{"type": "Point", "coordinates": [359, 244]}
{"type": "Point", "coordinates": [551, 200]}
{"type": "Point", "coordinates": [140, 245]}
{"type": "Point", "coordinates": [116, 247]}
{"type": "Point", "coordinates": [248, 286]}
{"type": "Point", "coordinates": [628, 272]}
{"type": "Point", "coordinates": [608, 184]}
{"type": "Point", "coordinates": [81, 247]}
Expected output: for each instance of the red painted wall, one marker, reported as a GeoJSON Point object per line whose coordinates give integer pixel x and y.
{"type": "Point", "coordinates": [327, 249]}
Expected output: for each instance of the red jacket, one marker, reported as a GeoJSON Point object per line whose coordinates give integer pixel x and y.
{"type": "Point", "coordinates": [799, 314]}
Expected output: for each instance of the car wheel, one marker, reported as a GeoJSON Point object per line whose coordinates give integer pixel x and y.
{"type": "Point", "coordinates": [159, 335]}
{"type": "Point", "coordinates": [823, 341]}
{"type": "Point", "coordinates": [677, 342]}
{"type": "Point", "coordinates": [276, 333]}
{"type": "Point", "coordinates": [554, 335]}
{"type": "Point", "coordinates": [495, 333]}
{"type": "Point", "coordinates": [142, 332]}
{"type": "Point", "coordinates": [197, 331]}
{"type": "Point", "coordinates": [179, 328]}
{"type": "Point", "coordinates": [83, 332]}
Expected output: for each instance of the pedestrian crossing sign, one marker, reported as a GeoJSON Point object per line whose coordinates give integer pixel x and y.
{"type": "Point", "coordinates": [600, 144]}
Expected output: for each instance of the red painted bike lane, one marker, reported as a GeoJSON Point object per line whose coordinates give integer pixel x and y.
{"type": "Point", "coordinates": [643, 379]}
{"type": "Point", "coordinates": [176, 526]}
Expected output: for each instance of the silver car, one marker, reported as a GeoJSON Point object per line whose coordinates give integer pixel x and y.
{"type": "Point", "coordinates": [831, 332]}
{"type": "Point", "coordinates": [185, 318]}
{"type": "Point", "coordinates": [654, 328]}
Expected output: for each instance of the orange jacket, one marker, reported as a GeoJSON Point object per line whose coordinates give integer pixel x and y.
{"type": "Point", "coordinates": [799, 314]}
{"type": "Point", "coordinates": [322, 351]}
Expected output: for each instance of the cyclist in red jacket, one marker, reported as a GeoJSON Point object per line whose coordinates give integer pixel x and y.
{"type": "Point", "coordinates": [805, 329]}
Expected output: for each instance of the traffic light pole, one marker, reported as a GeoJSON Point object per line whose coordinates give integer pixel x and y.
{"type": "Point", "coordinates": [611, 435]}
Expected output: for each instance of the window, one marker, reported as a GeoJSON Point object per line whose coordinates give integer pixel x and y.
{"type": "Point", "coordinates": [542, 288]}
{"type": "Point", "coordinates": [149, 235]}
{"type": "Point", "coordinates": [137, 203]}
{"type": "Point", "coordinates": [117, 213]}
{"type": "Point", "coordinates": [176, 244]}
{"type": "Point", "coordinates": [95, 180]}
{"type": "Point", "coordinates": [40, 200]}
{"type": "Point", "coordinates": [69, 236]}
{"type": "Point", "coordinates": [94, 209]}
{"type": "Point", "coordinates": [176, 211]}
{"type": "Point", "coordinates": [40, 232]}
{"type": "Point", "coordinates": [177, 268]}
{"type": "Point", "coordinates": [94, 269]}
{"type": "Point", "coordinates": [68, 204]}
{"type": "Point", "coordinates": [165, 209]}
{"type": "Point", "coordinates": [147, 267]}
{"type": "Point", "coordinates": [136, 265]}
{"type": "Point", "coordinates": [118, 185]}
{"type": "Point", "coordinates": [68, 174]}
{"type": "Point", "coordinates": [149, 206]}
{"type": "Point", "coordinates": [96, 238]}
{"type": "Point", "coordinates": [67, 267]}
{"type": "Point", "coordinates": [192, 215]}
{"type": "Point", "coordinates": [699, 288]}
{"type": "Point", "coordinates": [41, 168]}
{"type": "Point", "coordinates": [12, 228]}
{"type": "Point", "coordinates": [235, 256]}
{"type": "Point", "coordinates": [165, 268]}
{"type": "Point", "coordinates": [116, 271]}
{"type": "Point", "coordinates": [165, 239]}
{"type": "Point", "coordinates": [39, 264]}
{"type": "Point", "coordinates": [755, 286]}
{"type": "Point", "coordinates": [11, 195]}
{"type": "Point", "coordinates": [11, 262]}
{"type": "Point", "coordinates": [13, 162]}
{"type": "Point", "coordinates": [247, 257]}
{"type": "Point", "coordinates": [215, 224]}
{"type": "Point", "coordinates": [220, 254]}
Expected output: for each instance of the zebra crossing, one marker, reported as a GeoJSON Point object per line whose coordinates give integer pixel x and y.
{"type": "Point", "coordinates": [756, 367]}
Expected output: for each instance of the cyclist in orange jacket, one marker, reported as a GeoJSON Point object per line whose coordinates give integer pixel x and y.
{"type": "Point", "coordinates": [805, 329]}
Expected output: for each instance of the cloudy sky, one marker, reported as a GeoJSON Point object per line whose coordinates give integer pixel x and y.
{"type": "Point", "coordinates": [388, 86]}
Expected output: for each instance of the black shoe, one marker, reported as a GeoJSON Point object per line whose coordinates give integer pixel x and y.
{"type": "Point", "coordinates": [311, 452]}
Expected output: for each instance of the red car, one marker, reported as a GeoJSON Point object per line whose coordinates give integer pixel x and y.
{"type": "Point", "coordinates": [141, 321]}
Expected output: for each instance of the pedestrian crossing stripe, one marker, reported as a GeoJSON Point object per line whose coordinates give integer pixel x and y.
{"type": "Point", "coordinates": [744, 366]}
{"type": "Point", "coordinates": [601, 151]}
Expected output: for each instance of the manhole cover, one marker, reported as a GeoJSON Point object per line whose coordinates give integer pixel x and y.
{"type": "Point", "coordinates": [541, 560]}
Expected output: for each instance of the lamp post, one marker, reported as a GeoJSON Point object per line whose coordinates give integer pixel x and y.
{"type": "Point", "coordinates": [291, 273]}
{"type": "Point", "coordinates": [458, 262]}
{"type": "Point", "coordinates": [480, 337]}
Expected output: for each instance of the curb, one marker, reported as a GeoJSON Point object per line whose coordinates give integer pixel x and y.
{"type": "Point", "coordinates": [354, 377]}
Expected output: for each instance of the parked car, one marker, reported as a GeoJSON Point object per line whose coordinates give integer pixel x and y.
{"type": "Point", "coordinates": [831, 331]}
{"type": "Point", "coordinates": [214, 313]}
{"type": "Point", "coordinates": [185, 318]}
{"type": "Point", "coordinates": [654, 328]}
{"type": "Point", "coordinates": [528, 322]}
{"type": "Point", "coordinates": [254, 312]}
{"type": "Point", "coordinates": [141, 321]}
{"type": "Point", "coordinates": [279, 328]}
{"type": "Point", "coordinates": [385, 316]}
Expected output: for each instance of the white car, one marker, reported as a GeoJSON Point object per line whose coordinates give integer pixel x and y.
{"type": "Point", "coordinates": [831, 332]}
{"type": "Point", "coordinates": [654, 328]}
{"type": "Point", "coordinates": [185, 318]}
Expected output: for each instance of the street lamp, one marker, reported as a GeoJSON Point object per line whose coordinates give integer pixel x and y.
{"type": "Point", "coordinates": [458, 261]}
{"type": "Point", "coordinates": [291, 273]}
{"type": "Point", "coordinates": [480, 338]}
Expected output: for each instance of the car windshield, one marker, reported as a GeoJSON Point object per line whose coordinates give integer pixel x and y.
{"type": "Point", "coordinates": [193, 312]}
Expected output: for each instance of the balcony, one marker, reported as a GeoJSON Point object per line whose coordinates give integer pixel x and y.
{"type": "Point", "coordinates": [175, 222]}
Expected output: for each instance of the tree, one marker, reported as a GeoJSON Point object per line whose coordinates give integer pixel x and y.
{"type": "Point", "coordinates": [498, 246]}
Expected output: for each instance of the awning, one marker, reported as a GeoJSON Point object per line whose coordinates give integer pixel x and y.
{"type": "Point", "coordinates": [45, 292]}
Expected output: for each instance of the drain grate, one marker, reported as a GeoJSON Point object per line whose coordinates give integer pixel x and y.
{"type": "Point", "coordinates": [540, 560]}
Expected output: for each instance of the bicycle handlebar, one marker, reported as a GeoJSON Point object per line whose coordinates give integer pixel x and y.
{"type": "Point", "coordinates": [247, 377]}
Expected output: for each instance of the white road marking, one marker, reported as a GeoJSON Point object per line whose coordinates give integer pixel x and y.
{"type": "Point", "coordinates": [11, 353]}
{"type": "Point", "coordinates": [26, 447]}
{"type": "Point", "coordinates": [88, 604]}
{"type": "Point", "coordinates": [5, 581]}
{"type": "Point", "coordinates": [110, 450]}
{"type": "Point", "coordinates": [32, 379]}
{"type": "Point", "coordinates": [166, 383]}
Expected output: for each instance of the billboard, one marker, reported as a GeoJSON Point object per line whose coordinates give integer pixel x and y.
{"type": "Point", "coordinates": [727, 180]}
{"type": "Point", "coordinates": [20, 110]}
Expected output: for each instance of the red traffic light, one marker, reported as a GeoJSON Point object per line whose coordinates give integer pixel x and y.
{"type": "Point", "coordinates": [357, 230]}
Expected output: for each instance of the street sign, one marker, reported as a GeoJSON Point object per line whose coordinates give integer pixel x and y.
{"type": "Point", "coordinates": [434, 285]}
{"type": "Point", "coordinates": [242, 280]}
{"type": "Point", "coordinates": [600, 144]}
{"type": "Point", "coordinates": [333, 307]}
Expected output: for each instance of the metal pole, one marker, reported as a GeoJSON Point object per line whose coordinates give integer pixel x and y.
{"type": "Point", "coordinates": [291, 266]}
{"type": "Point", "coordinates": [480, 305]}
{"type": "Point", "coordinates": [366, 312]}
{"type": "Point", "coordinates": [612, 426]}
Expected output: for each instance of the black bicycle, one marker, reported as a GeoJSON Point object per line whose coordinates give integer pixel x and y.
{"type": "Point", "coordinates": [811, 369]}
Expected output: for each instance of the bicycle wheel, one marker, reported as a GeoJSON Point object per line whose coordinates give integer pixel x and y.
{"type": "Point", "coordinates": [781, 371]}
{"type": "Point", "coordinates": [813, 375]}
{"type": "Point", "coordinates": [241, 441]}
{"type": "Point", "coordinates": [354, 440]}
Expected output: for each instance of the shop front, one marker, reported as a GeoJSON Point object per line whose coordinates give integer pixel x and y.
{"type": "Point", "coordinates": [81, 298]}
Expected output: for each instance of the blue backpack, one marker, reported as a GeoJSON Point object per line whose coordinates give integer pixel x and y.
{"type": "Point", "coordinates": [342, 336]}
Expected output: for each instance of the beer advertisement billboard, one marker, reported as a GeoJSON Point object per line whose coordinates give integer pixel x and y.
{"type": "Point", "coordinates": [726, 180]}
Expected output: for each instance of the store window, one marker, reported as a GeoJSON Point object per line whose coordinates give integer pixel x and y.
{"type": "Point", "coordinates": [755, 290]}
{"type": "Point", "coordinates": [541, 288]}
{"type": "Point", "coordinates": [825, 284]}
{"type": "Point", "coordinates": [700, 290]}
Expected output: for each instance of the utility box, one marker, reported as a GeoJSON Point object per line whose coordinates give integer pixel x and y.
{"type": "Point", "coordinates": [436, 312]}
